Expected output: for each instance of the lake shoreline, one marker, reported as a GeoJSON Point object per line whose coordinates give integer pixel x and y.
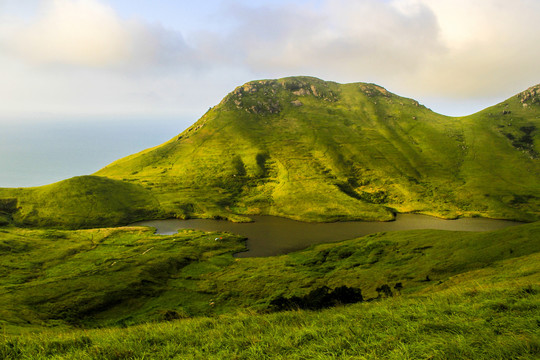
{"type": "Point", "coordinates": [271, 235]}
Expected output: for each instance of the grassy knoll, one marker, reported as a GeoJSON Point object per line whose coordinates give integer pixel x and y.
{"type": "Point", "coordinates": [488, 313]}
{"type": "Point", "coordinates": [79, 202]}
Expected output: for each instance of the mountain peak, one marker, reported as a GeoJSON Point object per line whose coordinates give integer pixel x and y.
{"type": "Point", "coordinates": [269, 96]}
{"type": "Point", "coordinates": [264, 97]}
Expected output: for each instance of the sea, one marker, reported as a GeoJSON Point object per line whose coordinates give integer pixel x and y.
{"type": "Point", "coordinates": [35, 153]}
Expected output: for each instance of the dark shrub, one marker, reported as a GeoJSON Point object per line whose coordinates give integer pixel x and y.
{"type": "Point", "coordinates": [319, 298]}
{"type": "Point", "coordinates": [384, 290]}
{"type": "Point", "coordinates": [347, 295]}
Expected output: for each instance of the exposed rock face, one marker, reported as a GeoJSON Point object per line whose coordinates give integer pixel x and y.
{"type": "Point", "coordinates": [530, 96]}
{"type": "Point", "coordinates": [256, 97]}
{"type": "Point", "coordinates": [265, 97]}
{"type": "Point", "coordinates": [374, 90]}
{"type": "Point", "coordinates": [304, 86]}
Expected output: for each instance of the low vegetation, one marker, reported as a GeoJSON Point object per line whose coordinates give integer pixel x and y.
{"type": "Point", "coordinates": [480, 303]}
{"type": "Point", "coordinates": [79, 202]}
{"type": "Point", "coordinates": [105, 276]}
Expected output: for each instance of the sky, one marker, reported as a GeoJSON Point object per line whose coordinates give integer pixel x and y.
{"type": "Point", "coordinates": [73, 59]}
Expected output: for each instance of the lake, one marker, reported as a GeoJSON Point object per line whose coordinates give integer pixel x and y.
{"type": "Point", "coordinates": [271, 235]}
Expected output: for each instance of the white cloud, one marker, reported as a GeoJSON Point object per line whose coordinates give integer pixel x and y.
{"type": "Point", "coordinates": [491, 46]}
{"type": "Point", "coordinates": [79, 33]}
{"type": "Point", "coordinates": [89, 33]}
{"type": "Point", "coordinates": [346, 39]}
{"type": "Point", "coordinates": [448, 48]}
{"type": "Point", "coordinates": [82, 55]}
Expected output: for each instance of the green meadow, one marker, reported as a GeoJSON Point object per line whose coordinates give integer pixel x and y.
{"type": "Point", "coordinates": [77, 284]}
{"type": "Point", "coordinates": [124, 293]}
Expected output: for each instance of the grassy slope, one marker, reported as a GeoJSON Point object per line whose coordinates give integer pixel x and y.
{"type": "Point", "coordinates": [482, 303]}
{"type": "Point", "coordinates": [54, 277]}
{"type": "Point", "coordinates": [409, 257]}
{"type": "Point", "coordinates": [349, 151]}
{"type": "Point", "coordinates": [475, 320]}
{"type": "Point", "coordinates": [127, 276]}
{"type": "Point", "coordinates": [79, 202]}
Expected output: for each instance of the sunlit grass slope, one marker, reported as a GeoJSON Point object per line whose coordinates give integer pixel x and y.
{"type": "Point", "coordinates": [127, 276]}
{"type": "Point", "coordinates": [313, 150]}
{"type": "Point", "coordinates": [84, 201]}
{"type": "Point", "coordinates": [481, 301]}
{"type": "Point", "coordinates": [97, 276]}
{"type": "Point", "coordinates": [487, 317]}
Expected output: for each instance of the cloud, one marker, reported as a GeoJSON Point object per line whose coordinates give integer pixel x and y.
{"type": "Point", "coordinates": [491, 48]}
{"type": "Point", "coordinates": [345, 38]}
{"type": "Point", "coordinates": [86, 56]}
{"type": "Point", "coordinates": [448, 48]}
{"type": "Point", "coordinates": [89, 33]}
{"type": "Point", "coordinates": [72, 57]}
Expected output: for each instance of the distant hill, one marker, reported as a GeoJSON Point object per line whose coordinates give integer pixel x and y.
{"type": "Point", "coordinates": [309, 149]}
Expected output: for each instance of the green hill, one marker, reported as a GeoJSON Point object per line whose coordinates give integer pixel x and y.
{"type": "Point", "coordinates": [313, 150]}
{"type": "Point", "coordinates": [79, 202]}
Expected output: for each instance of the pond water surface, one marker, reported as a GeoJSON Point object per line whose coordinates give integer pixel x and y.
{"type": "Point", "coordinates": [271, 235]}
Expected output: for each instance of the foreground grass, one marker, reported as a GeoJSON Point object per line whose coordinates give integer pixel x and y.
{"type": "Point", "coordinates": [128, 276]}
{"type": "Point", "coordinates": [484, 314]}
{"type": "Point", "coordinates": [56, 278]}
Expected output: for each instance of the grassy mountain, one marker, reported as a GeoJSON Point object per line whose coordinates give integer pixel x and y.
{"type": "Point", "coordinates": [462, 295]}
{"type": "Point", "coordinates": [313, 150]}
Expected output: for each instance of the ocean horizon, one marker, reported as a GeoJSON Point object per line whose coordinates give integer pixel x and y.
{"type": "Point", "coordinates": [43, 152]}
